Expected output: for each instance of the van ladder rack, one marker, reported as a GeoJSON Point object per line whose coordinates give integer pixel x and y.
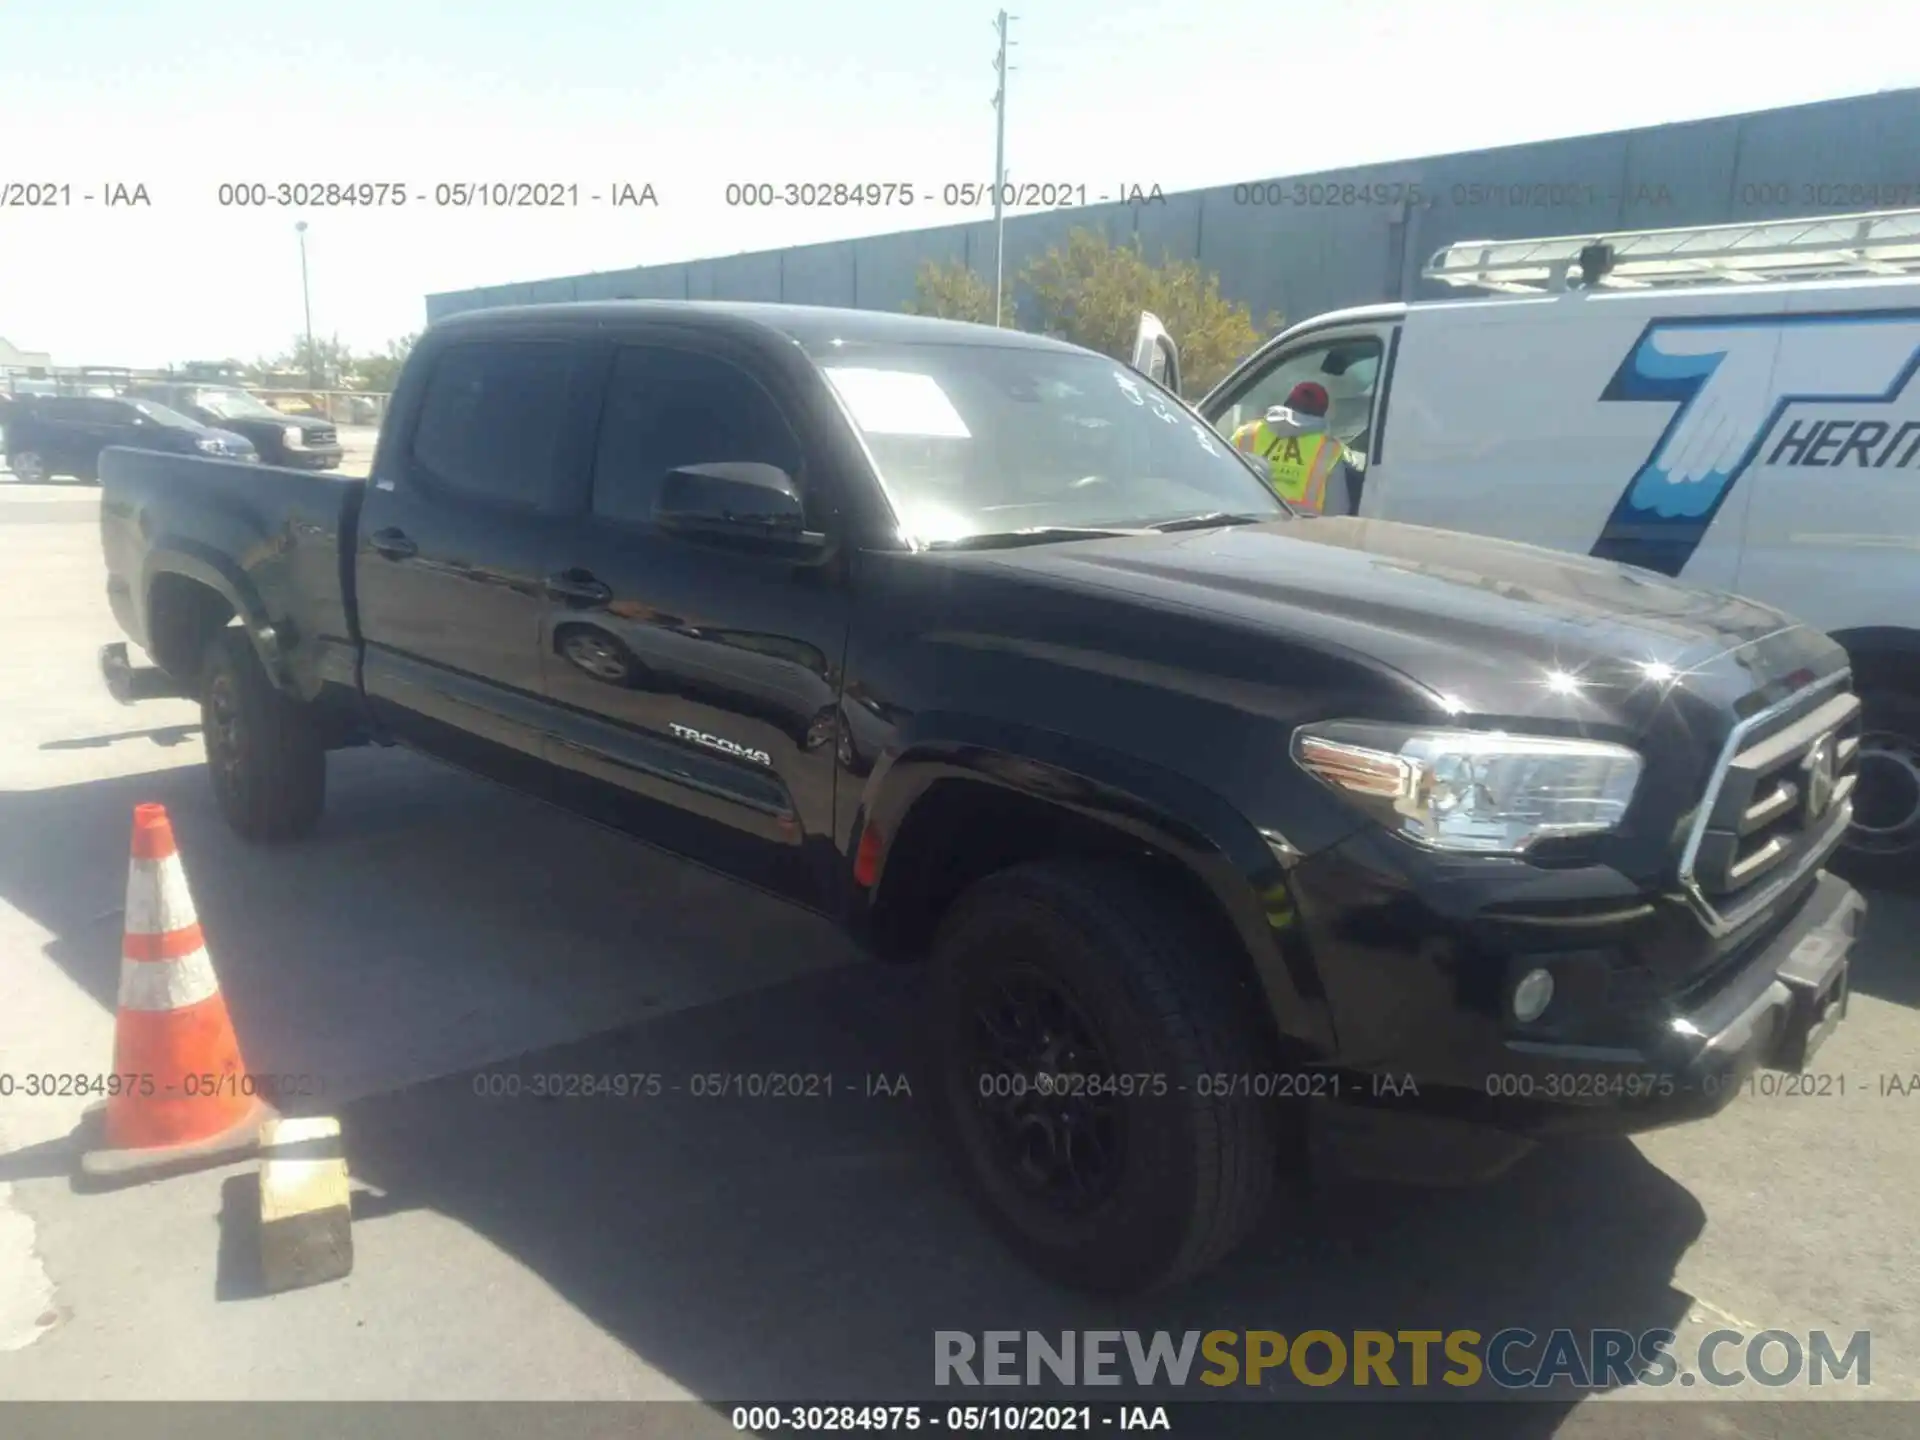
{"type": "Point", "coordinates": [1818, 247]}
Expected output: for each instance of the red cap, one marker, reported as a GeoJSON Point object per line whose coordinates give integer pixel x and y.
{"type": "Point", "coordinates": [1308, 397]}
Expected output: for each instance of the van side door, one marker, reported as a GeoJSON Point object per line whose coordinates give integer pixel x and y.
{"type": "Point", "coordinates": [1834, 512]}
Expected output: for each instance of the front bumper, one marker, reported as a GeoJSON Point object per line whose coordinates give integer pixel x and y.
{"type": "Point", "coordinates": [1438, 1077]}
{"type": "Point", "coordinates": [314, 459]}
{"type": "Point", "coordinates": [1774, 1014]}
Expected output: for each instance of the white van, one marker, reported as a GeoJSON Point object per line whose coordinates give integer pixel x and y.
{"type": "Point", "coordinates": [1734, 406]}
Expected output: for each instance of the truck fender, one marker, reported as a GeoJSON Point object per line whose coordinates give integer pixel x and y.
{"type": "Point", "coordinates": [205, 565]}
{"type": "Point", "coordinates": [1143, 807]}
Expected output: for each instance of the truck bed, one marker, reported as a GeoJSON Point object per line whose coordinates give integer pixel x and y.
{"type": "Point", "coordinates": [185, 537]}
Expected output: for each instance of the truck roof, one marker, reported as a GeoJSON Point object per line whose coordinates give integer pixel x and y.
{"type": "Point", "coordinates": [811, 325]}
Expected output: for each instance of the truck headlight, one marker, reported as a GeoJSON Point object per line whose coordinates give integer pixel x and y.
{"type": "Point", "coordinates": [1472, 790]}
{"type": "Point", "coordinates": [293, 435]}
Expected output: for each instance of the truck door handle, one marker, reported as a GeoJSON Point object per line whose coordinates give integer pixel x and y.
{"type": "Point", "coordinates": [577, 587]}
{"type": "Point", "coordinates": [394, 544]}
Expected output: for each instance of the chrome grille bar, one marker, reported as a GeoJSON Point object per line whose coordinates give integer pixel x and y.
{"type": "Point", "coordinates": [1729, 867]}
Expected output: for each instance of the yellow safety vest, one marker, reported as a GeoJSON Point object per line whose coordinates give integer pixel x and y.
{"type": "Point", "coordinates": [1297, 465]}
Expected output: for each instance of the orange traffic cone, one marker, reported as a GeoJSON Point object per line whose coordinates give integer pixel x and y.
{"type": "Point", "coordinates": [180, 1090]}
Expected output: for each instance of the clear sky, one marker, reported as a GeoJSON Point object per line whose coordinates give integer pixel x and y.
{"type": "Point", "coordinates": [184, 95]}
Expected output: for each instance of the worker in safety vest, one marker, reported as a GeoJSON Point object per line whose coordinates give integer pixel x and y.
{"type": "Point", "coordinates": [1293, 440]}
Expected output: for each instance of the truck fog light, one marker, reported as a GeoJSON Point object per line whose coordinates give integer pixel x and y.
{"type": "Point", "coordinates": [1532, 996]}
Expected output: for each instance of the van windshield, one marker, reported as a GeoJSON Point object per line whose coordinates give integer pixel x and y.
{"type": "Point", "coordinates": [973, 441]}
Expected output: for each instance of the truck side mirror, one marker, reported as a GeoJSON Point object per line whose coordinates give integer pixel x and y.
{"type": "Point", "coordinates": [739, 501]}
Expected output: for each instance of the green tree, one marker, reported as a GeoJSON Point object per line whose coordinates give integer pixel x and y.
{"type": "Point", "coordinates": [1091, 291]}
{"type": "Point", "coordinates": [951, 291]}
{"type": "Point", "coordinates": [380, 372]}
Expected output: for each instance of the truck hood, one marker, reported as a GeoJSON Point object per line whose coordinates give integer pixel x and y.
{"type": "Point", "coordinates": [1488, 627]}
{"type": "Point", "coordinates": [262, 425]}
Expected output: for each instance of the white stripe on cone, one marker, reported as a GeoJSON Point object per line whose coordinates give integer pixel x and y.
{"type": "Point", "coordinates": [157, 897]}
{"type": "Point", "coordinates": [167, 984]}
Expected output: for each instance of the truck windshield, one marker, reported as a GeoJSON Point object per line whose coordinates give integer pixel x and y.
{"type": "Point", "coordinates": [165, 416]}
{"type": "Point", "coordinates": [973, 441]}
{"type": "Point", "coordinates": [234, 405]}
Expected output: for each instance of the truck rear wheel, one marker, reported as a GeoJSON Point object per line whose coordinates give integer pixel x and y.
{"type": "Point", "coordinates": [1882, 847]}
{"type": "Point", "coordinates": [1080, 1049]}
{"type": "Point", "coordinates": [264, 754]}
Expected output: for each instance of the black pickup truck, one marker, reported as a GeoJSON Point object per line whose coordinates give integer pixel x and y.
{"type": "Point", "coordinates": [1230, 836]}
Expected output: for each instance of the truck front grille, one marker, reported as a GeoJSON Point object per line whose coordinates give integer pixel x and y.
{"type": "Point", "coordinates": [1777, 804]}
{"type": "Point", "coordinates": [321, 438]}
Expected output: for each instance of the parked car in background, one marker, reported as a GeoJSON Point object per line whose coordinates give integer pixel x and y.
{"type": "Point", "coordinates": [63, 435]}
{"type": "Point", "coordinates": [281, 439]}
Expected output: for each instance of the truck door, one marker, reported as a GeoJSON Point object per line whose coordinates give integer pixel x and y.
{"type": "Point", "coordinates": [696, 677]}
{"type": "Point", "coordinates": [1346, 364]}
{"type": "Point", "coordinates": [457, 534]}
{"type": "Point", "coordinates": [1154, 353]}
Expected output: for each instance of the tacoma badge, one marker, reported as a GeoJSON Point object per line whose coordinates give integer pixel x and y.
{"type": "Point", "coordinates": [725, 747]}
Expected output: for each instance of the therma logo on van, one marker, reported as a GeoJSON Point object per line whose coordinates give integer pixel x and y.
{"type": "Point", "coordinates": [1829, 390]}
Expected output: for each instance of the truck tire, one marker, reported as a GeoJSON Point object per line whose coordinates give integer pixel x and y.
{"type": "Point", "coordinates": [1882, 848]}
{"type": "Point", "coordinates": [264, 755]}
{"type": "Point", "coordinates": [29, 467]}
{"type": "Point", "coordinates": [1076, 969]}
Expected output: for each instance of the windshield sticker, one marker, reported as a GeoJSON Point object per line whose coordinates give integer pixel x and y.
{"type": "Point", "coordinates": [898, 402]}
{"type": "Point", "coordinates": [1205, 437]}
{"type": "Point", "coordinates": [1129, 387]}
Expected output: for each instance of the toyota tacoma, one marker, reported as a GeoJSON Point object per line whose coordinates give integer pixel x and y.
{"type": "Point", "coordinates": [1228, 836]}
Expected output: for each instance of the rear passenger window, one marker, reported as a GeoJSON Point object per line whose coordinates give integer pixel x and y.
{"type": "Point", "coordinates": [491, 419]}
{"type": "Point", "coordinates": [668, 408]}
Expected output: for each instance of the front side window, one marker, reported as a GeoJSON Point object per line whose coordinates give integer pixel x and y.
{"type": "Point", "coordinates": [668, 408]}
{"type": "Point", "coordinates": [1345, 372]}
{"type": "Point", "coordinates": [973, 441]}
{"type": "Point", "coordinates": [491, 419]}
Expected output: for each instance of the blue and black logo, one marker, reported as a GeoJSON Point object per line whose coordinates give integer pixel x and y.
{"type": "Point", "coordinates": [1735, 378]}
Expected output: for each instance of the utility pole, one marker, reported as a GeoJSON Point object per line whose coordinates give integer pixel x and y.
{"type": "Point", "coordinates": [306, 303]}
{"type": "Point", "coordinates": [1000, 168]}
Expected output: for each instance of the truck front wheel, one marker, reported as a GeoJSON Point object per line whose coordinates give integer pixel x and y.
{"type": "Point", "coordinates": [1882, 847]}
{"type": "Point", "coordinates": [264, 754]}
{"type": "Point", "coordinates": [1083, 1054]}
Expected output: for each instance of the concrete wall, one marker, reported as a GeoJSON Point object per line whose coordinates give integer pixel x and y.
{"type": "Point", "coordinates": [1298, 259]}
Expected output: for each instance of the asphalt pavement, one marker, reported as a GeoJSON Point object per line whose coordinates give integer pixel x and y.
{"type": "Point", "coordinates": [439, 936]}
